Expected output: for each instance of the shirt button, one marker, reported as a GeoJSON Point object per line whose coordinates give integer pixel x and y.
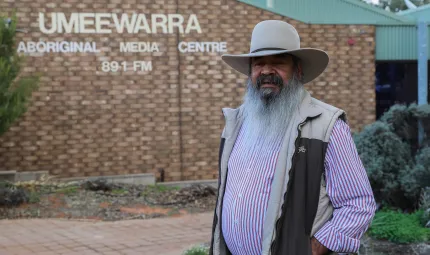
{"type": "Point", "coordinates": [240, 195]}
{"type": "Point", "coordinates": [236, 221]}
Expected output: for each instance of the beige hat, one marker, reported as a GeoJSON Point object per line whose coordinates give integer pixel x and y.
{"type": "Point", "coordinates": [272, 37]}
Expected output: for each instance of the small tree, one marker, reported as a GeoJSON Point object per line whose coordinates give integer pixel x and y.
{"type": "Point", "coordinates": [15, 91]}
{"type": "Point", "coordinates": [397, 5]}
{"type": "Point", "coordinates": [384, 156]}
{"type": "Point", "coordinates": [398, 167]}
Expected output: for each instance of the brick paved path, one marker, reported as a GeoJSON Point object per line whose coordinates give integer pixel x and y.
{"type": "Point", "coordinates": [161, 236]}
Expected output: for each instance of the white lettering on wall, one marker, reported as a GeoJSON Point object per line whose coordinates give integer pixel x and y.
{"type": "Point", "coordinates": [134, 23]}
{"type": "Point", "coordinates": [87, 22]}
{"type": "Point", "coordinates": [125, 21]}
{"type": "Point", "coordinates": [159, 20]}
{"type": "Point", "coordinates": [138, 47]}
{"type": "Point", "coordinates": [65, 47]}
{"type": "Point", "coordinates": [176, 20]}
{"type": "Point", "coordinates": [67, 25]}
{"type": "Point", "coordinates": [185, 47]}
{"type": "Point", "coordinates": [142, 24]}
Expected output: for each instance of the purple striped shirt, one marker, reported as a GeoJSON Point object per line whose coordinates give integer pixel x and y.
{"type": "Point", "coordinates": [249, 183]}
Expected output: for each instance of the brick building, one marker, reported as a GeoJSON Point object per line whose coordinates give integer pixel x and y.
{"type": "Point", "coordinates": [88, 121]}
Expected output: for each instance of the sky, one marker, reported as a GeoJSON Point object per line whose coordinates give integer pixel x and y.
{"type": "Point", "coordinates": [373, 1]}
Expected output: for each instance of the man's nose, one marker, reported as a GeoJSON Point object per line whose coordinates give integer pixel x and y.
{"type": "Point", "coordinates": [267, 69]}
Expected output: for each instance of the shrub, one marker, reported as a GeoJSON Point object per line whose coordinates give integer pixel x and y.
{"type": "Point", "coordinates": [15, 91]}
{"type": "Point", "coordinates": [397, 166]}
{"type": "Point", "coordinates": [384, 155]}
{"type": "Point", "coordinates": [403, 121]}
{"type": "Point", "coordinates": [425, 206]}
{"type": "Point", "coordinates": [399, 227]}
{"type": "Point", "coordinates": [197, 250]}
{"type": "Point", "coordinates": [11, 195]}
{"type": "Point", "coordinates": [415, 178]}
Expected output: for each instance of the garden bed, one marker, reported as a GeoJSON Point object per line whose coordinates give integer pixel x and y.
{"type": "Point", "coordinates": [102, 201]}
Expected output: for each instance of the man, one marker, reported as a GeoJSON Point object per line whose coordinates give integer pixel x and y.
{"type": "Point", "coordinates": [291, 181]}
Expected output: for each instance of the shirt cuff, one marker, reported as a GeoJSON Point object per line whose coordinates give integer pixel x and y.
{"type": "Point", "coordinates": [336, 241]}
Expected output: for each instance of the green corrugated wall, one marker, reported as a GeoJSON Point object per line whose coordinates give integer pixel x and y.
{"type": "Point", "coordinates": [397, 43]}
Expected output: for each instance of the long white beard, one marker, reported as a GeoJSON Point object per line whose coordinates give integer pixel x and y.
{"type": "Point", "coordinates": [267, 122]}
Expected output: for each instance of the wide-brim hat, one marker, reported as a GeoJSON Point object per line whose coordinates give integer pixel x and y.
{"type": "Point", "coordinates": [273, 37]}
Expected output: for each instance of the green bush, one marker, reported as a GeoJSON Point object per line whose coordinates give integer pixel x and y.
{"type": "Point", "coordinates": [397, 166]}
{"type": "Point", "coordinates": [15, 90]}
{"type": "Point", "coordinates": [67, 190]}
{"type": "Point", "coordinates": [403, 121]}
{"type": "Point", "coordinates": [399, 227]}
{"type": "Point", "coordinates": [425, 207]}
{"type": "Point", "coordinates": [197, 250]}
{"type": "Point", "coordinates": [384, 156]}
{"type": "Point", "coordinates": [11, 195]}
{"type": "Point", "coordinates": [417, 177]}
{"type": "Point", "coordinates": [34, 197]}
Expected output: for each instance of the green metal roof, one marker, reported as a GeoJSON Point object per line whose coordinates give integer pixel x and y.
{"type": "Point", "coordinates": [396, 34]}
{"type": "Point", "coordinates": [421, 13]}
{"type": "Point", "coordinates": [330, 11]}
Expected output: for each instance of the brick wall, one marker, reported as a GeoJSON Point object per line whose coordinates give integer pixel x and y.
{"type": "Point", "coordinates": [84, 122]}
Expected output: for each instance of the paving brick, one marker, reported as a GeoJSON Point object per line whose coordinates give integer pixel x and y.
{"type": "Point", "coordinates": [120, 237]}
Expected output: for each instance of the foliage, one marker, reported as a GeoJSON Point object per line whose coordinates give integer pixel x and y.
{"type": "Point", "coordinates": [425, 207]}
{"type": "Point", "coordinates": [403, 121]}
{"type": "Point", "coordinates": [399, 227]}
{"type": "Point", "coordinates": [11, 195]}
{"type": "Point", "coordinates": [161, 188]}
{"type": "Point", "coordinates": [396, 5]}
{"type": "Point", "coordinates": [397, 166]}
{"type": "Point", "coordinates": [384, 156]}
{"type": "Point", "coordinates": [34, 197]}
{"type": "Point", "coordinates": [417, 177]}
{"type": "Point", "coordinates": [399, 5]}
{"type": "Point", "coordinates": [67, 190]}
{"type": "Point", "coordinates": [15, 90]}
{"type": "Point", "coordinates": [119, 191]}
{"type": "Point", "coordinates": [197, 250]}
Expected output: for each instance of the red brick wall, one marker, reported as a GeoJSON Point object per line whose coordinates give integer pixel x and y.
{"type": "Point", "coordinates": [84, 122]}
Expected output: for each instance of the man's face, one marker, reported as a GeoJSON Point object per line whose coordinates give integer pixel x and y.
{"type": "Point", "coordinates": [270, 73]}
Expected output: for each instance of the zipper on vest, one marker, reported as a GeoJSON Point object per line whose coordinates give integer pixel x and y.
{"type": "Point", "coordinates": [277, 225]}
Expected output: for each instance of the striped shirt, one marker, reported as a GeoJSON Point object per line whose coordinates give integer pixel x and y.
{"type": "Point", "coordinates": [249, 184]}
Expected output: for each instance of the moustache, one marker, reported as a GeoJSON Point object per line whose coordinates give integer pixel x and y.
{"type": "Point", "coordinates": [269, 78]}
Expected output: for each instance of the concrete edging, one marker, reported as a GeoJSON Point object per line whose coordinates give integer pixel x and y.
{"type": "Point", "coordinates": [183, 184]}
{"type": "Point", "coordinates": [136, 179]}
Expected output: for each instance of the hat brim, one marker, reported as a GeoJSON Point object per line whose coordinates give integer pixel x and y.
{"type": "Point", "coordinates": [314, 61]}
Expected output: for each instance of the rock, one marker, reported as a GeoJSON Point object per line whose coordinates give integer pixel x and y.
{"type": "Point", "coordinates": [74, 183]}
{"type": "Point", "coordinates": [421, 249]}
{"type": "Point", "coordinates": [98, 185]}
{"type": "Point", "coordinates": [62, 185]}
{"type": "Point", "coordinates": [194, 194]}
{"type": "Point", "coordinates": [370, 246]}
